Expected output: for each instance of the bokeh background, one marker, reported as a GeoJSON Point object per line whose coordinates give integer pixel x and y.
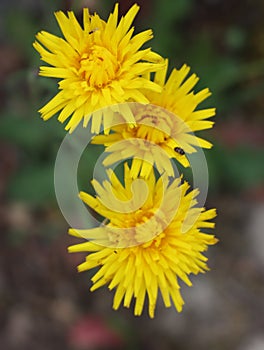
{"type": "Point", "coordinates": [44, 303]}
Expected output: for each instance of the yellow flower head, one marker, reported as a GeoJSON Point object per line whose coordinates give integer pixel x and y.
{"type": "Point", "coordinates": [154, 237]}
{"type": "Point", "coordinates": [152, 140]}
{"type": "Point", "coordinates": [177, 96]}
{"type": "Point", "coordinates": [169, 122]}
{"type": "Point", "coordinates": [99, 65]}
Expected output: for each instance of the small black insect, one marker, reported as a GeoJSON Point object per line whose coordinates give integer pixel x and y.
{"type": "Point", "coordinates": [92, 31]}
{"type": "Point", "coordinates": [179, 150]}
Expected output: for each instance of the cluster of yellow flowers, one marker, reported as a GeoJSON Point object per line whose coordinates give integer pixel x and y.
{"type": "Point", "coordinates": [153, 232]}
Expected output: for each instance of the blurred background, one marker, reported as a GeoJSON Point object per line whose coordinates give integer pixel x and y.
{"type": "Point", "coordinates": [44, 302]}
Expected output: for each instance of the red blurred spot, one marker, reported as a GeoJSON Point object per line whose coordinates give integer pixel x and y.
{"type": "Point", "coordinates": [240, 132]}
{"type": "Point", "coordinates": [91, 332]}
{"type": "Point", "coordinates": [255, 194]}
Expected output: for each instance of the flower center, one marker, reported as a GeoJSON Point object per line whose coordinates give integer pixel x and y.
{"type": "Point", "coordinates": [154, 124]}
{"type": "Point", "coordinates": [144, 227]}
{"type": "Point", "coordinates": [150, 133]}
{"type": "Point", "coordinates": [98, 67]}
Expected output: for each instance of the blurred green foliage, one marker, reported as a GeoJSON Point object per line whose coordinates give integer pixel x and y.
{"type": "Point", "coordinates": [217, 43]}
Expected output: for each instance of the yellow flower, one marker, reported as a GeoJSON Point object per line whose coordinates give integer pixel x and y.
{"type": "Point", "coordinates": [154, 237]}
{"type": "Point", "coordinates": [178, 97]}
{"type": "Point", "coordinates": [149, 142]}
{"type": "Point", "coordinates": [100, 64]}
{"type": "Point", "coordinates": [169, 122]}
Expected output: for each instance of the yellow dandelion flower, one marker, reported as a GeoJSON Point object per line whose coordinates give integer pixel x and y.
{"type": "Point", "coordinates": [99, 65]}
{"type": "Point", "coordinates": [168, 122]}
{"type": "Point", "coordinates": [154, 238]}
{"type": "Point", "coordinates": [149, 142]}
{"type": "Point", "coordinates": [178, 97]}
